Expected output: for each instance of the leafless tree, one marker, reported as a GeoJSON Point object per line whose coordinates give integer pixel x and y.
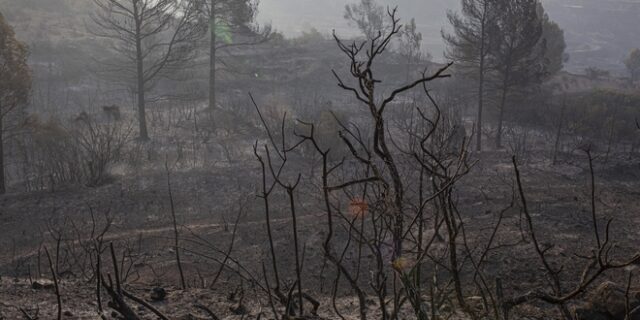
{"type": "Point", "coordinates": [231, 23]}
{"type": "Point", "coordinates": [150, 38]}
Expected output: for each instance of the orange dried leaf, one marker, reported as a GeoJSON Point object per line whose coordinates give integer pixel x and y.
{"type": "Point", "coordinates": [358, 207]}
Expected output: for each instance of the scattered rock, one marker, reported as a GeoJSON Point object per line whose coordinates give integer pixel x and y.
{"type": "Point", "coordinates": [158, 294]}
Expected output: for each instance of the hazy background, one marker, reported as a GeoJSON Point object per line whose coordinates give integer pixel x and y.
{"type": "Point", "coordinates": [599, 33]}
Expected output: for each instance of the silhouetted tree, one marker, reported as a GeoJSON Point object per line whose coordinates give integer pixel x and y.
{"type": "Point", "coordinates": [594, 73]}
{"type": "Point", "coordinates": [410, 46]}
{"type": "Point", "coordinates": [368, 16]}
{"type": "Point", "coordinates": [152, 36]}
{"type": "Point", "coordinates": [516, 52]}
{"type": "Point", "coordinates": [468, 46]}
{"type": "Point", "coordinates": [230, 23]}
{"type": "Point", "coordinates": [553, 40]}
{"type": "Point", "coordinates": [633, 64]}
{"type": "Point", "coordinates": [15, 84]}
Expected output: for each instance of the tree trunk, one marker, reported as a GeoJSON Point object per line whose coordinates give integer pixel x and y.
{"type": "Point", "coordinates": [381, 149]}
{"type": "Point", "coordinates": [556, 147]}
{"type": "Point", "coordinates": [480, 106]}
{"type": "Point", "coordinates": [610, 140]}
{"type": "Point", "coordinates": [142, 114]}
{"type": "Point", "coordinates": [212, 60]}
{"type": "Point", "coordinates": [501, 119]}
{"type": "Point", "coordinates": [3, 188]}
{"type": "Point", "coordinates": [481, 82]}
{"type": "Point", "coordinates": [503, 102]}
{"type": "Point", "coordinates": [634, 144]}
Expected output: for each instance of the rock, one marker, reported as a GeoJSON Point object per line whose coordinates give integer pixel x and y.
{"type": "Point", "coordinates": [67, 313]}
{"type": "Point", "coordinates": [158, 294]}
{"type": "Point", "coordinates": [610, 298]}
{"type": "Point", "coordinates": [190, 316]}
{"type": "Point", "coordinates": [239, 310]}
{"type": "Point", "coordinates": [608, 302]}
{"type": "Point", "coordinates": [586, 312]}
{"type": "Point", "coordinates": [42, 284]}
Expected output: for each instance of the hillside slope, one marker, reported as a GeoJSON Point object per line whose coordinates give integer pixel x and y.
{"type": "Point", "coordinates": [52, 20]}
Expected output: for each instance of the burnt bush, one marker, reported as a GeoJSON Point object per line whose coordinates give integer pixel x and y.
{"type": "Point", "coordinates": [78, 152]}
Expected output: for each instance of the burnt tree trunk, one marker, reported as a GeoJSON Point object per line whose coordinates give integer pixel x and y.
{"type": "Point", "coordinates": [481, 81]}
{"type": "Point", "coordinates": [212, 57]}
{"type": "Point", "coordinates": [556, 147]}
{"type": "Point", "coordinates": [3, 188]}
{"type": "Point", "coordinates": [503, 105]}
{"type": "Point", "coordinates": [142, 115]}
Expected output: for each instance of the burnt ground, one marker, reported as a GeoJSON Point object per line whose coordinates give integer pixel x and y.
{"type": "Point", "coordinates": [207, 203]}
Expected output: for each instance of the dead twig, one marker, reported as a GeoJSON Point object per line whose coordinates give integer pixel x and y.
{"type": "Point", "coordinates": [55, 283]}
